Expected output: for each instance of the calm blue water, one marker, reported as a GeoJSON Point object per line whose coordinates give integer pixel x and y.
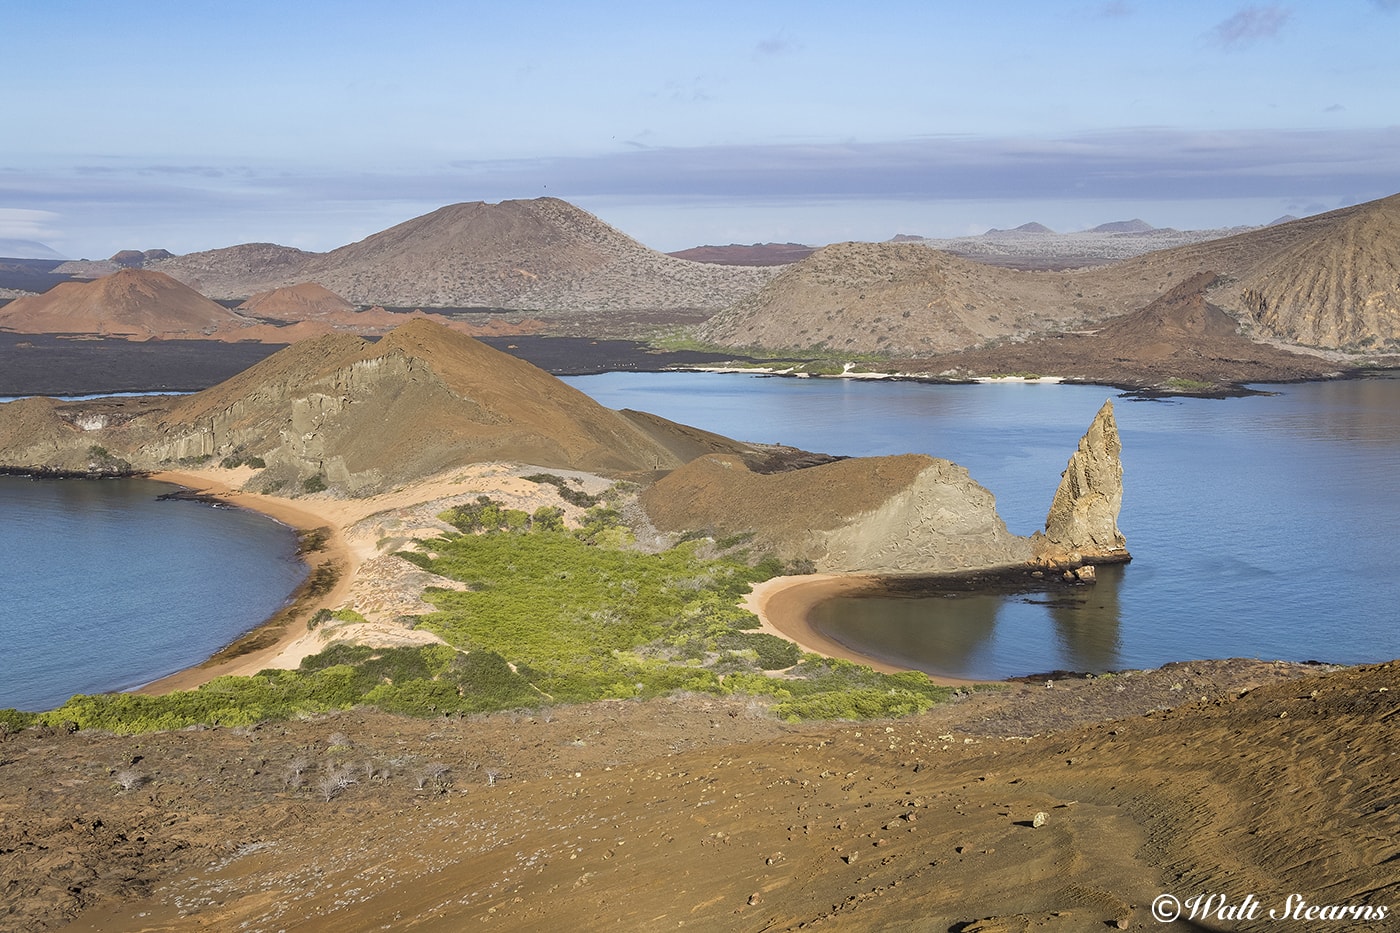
{"type": "Point", "coordinates": [1266, 526]}
{"type": "Point", "coordinates": [102, 587]}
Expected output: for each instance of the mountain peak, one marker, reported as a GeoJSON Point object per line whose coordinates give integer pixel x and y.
{"type": "Point", "coordinates": [1123, 226]}
{"type": "Point", "coordinates": [131, 302]}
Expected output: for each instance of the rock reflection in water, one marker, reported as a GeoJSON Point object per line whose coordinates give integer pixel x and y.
{"type": "Point", "coordinates": [982, 628]}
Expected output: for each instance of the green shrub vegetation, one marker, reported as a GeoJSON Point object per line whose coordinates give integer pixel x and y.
{"type": "Point", "coordinates": [550, 616]}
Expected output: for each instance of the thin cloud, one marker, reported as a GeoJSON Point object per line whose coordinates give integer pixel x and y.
{"type": "Point", "coordinates": [324, 209]}
{"type": "Point", "coordinates": [1251, 24]}
{"type": "Point", "coordinates": [1116, 9]}
{"type": "Point", "coordinates": [1146, 162]}
{"type": "Point", "coordinates": [773, 46]}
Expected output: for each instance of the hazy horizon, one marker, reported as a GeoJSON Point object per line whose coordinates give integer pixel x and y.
{"type": "Point", "coordinates": [190, 127]}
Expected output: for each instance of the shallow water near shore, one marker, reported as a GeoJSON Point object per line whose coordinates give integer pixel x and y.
{"type": "Point", "coordinates": [105, 587]}
{"type": "Point", "coordinates": [1265, 526]}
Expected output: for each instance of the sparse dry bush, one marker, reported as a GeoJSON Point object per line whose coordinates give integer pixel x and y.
{"type": "Point", "coordinates": [296, 771]}
{"type": "Point", "coordinates": [333, 781]}
{"type": "Point", "coordinates": [435, 775]}
{"type": "Point", "coordinates": [129, 779]}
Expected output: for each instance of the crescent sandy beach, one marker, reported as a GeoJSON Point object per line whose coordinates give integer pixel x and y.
{"type": "Point", "coordinates": [782, 604]}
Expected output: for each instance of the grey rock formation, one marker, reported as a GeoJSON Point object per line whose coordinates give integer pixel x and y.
{"type": "Point", "coordinates": [1082, 525]}
{"type": "Point", "coordinates": [888, 515]}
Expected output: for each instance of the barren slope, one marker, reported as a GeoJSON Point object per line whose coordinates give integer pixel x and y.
{"type": "Point", "coordinates": [238, 271]}
{"type": "Point", "coordinates": [1338, 287]}
{"type": "Point", "coordinates": [1265, 779]}
{"type": "Point", "coordinates": [296, 303]}
{"type": "Point", "coordinates": [893, 297]}
{"type": "Point", "coordinates": [1179, 338]}
{"type": "Point", "coordinates": [361, 416]}
{"type": "Point", "coordinates": [1328, 280]}
{"type": "Point", "coordinates": [909, 513]}
{"type": "Point", "coordinates": [542, 254]}
{"type": "Point", "coordinates": [132, 303]}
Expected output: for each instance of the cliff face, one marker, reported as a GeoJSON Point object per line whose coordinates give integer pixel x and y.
{"type": "Point", "coordinates": [1335, 288]}
{"type": "Point", "coordinates": [1082, 525]}
{"type": "Point", "coordinates": [904, 514]}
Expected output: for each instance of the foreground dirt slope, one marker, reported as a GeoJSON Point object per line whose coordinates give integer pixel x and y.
{"type": "Point", "coordinates": [1266, 779]}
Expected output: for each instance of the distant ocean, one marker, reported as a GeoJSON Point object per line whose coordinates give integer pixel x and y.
{"type": "Point", "coordinates": [105, 587]}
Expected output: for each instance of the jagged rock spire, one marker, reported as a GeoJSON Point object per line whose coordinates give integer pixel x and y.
{"type": "Point", "coordinates": [1082, 525]}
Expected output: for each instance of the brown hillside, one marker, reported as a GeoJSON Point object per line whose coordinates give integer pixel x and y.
{"type": "Point", "coordinates": [897, 297]}
{"type": "Point", "coordinates": [364, 416]}
{"type": "Point", "coordinates": [909, 513]}
{"type": "Point", "coordinates": [543, 254]}
{"type": "Point", "coordinates": [1337, 287]}
{"type": "Point", "coordinates": [296, 303]}
{"type": "Point", "coordinates": [313, 309]}
{"type": "Point", "coordinates": [1180, 336]}
{"type": "Point", "coordinates": [238, 271]}
{"type": "Point", "coordinates": [131, 303]}
{"type": "Point", "coordinates": [1327, 280]}
{"type": "Point", "coordinates": [421, 400]}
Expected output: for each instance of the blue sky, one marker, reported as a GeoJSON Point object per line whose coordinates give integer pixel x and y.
{"type": "Point", "coordinates": [191, 125]}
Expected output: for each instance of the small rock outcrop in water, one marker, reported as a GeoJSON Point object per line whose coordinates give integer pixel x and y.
{"type": "Point", "coordinates": [1082, 526]}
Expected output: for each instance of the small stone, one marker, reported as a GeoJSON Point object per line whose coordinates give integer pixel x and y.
{"type": "Point", "coordinates": [1039, 819]}
{"type": "Point", "coordinates": [754, 898]}
{"type": "Point", "coordinates": [849, 857]}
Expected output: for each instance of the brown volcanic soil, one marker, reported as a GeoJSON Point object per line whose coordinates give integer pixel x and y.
{"type": "Point", "coordinates": [541, 255]}
{"type": "Point", "coordinates": [1203, 777]}
{"type": "Point", "coordinates": [129, 303]}
{"type": "Point", "coordinates": [1180, 336]}
{"type": "Point", "coordinates": [1325, 281]}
